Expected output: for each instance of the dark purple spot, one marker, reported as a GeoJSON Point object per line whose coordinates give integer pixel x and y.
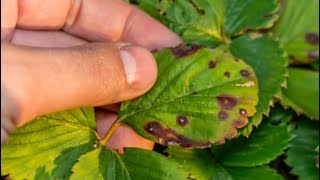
{"type": "Point", "coordinates": [222, 115]}
{"type": "Point", "coordinates": [245, 73]}
{"type": "Point", "coordinates": [239, 124]}
{"type": "Point", "coordinates": [211, 64]}
{"type": "Point", "coordinates": [226, 101]}
{"type": "Point", "coordinates": [313, 55]}
{"type": "Point", "coordinates": [182, 120]}
{"type": "Point", "coordinates": [312, 38]}
{"type": "Point", "coordinates": [243, 112]}
{"type": "Point", "coordinates": [167, 136]}
{"type": "Point", "coordinates": [227, 74]}
{"type": "Point", "coordinates": [182, 50]}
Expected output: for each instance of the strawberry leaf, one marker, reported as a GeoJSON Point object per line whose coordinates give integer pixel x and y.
{"type": "Point", "coordinates": [302, 155]}
{"type": "Point", "coordinates": [302, 92]}
{"type": "Point", "coordinates": [104, 163]}
{"type": "Point", "coordinates": [208, 22]}
{"type": "Point", "coordinates": [201, 96]}
{"type": "Point", "coordinates": [298, 30]}
{"type": "Point", "coordinates": [43, 145]}
{"type": "Point", "coordinates": [266, 58]}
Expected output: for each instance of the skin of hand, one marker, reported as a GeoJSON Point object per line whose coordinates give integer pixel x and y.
{"type": "Point", "coordinates": [62, 54]}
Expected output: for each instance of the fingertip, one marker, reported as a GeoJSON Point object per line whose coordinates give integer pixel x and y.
{"type": "Point", "coordinates": [140, 68]}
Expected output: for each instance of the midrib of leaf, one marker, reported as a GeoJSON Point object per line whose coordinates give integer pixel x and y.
{"type": "Point", "coordinates": [121, 163]}
{"type": "Point", "coordinates": [171, 100]}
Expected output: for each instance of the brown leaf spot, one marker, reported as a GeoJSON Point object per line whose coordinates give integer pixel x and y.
{"type": "Point", "coordinates": [227, 74]}
{"type": "Point", "coordinates": [239, 124]}
{"type": "Point", "coordinates": [243, 112]}
{"type": "Point", "coordinates": [313, 55]}
{"type": "Point", "coordinates": [167, 136]}
{"type": "Point", "coordinates": [232, 134]}
{"type": "Point", "coordinates": [182, 120]}
{"type": "Point", "coordinates": [211, 64]}
{"type": "Point", "coordinates": [311, 38]}
{"type": "Point", "coordinates": [222, 141]}
{"type": "Point", "coordinates": [236, 59]}
{"type": "Point", "coordinates": [245, 73]}
{"type": "Point", "coordinates": [222, 115]}
{"type": "Point", "coordinates": [182, 50]}
{"type": "Point", "coordinates": [226, 101]}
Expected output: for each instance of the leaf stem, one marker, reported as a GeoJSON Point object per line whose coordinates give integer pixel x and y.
{"type": "Point", "coordinates": [109, 133]}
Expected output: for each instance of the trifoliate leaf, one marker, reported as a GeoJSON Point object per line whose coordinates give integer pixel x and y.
{"type": "Point", "coordinates": [298, 30]}
{"type": "Point", "coordinates": [302, 92]}
{"type": "Point", "coordinates": [49, 144]}
{"type": "Point", "coordinates": [302, 155]}
{"type": "Point", "coordinates": [202, 165]}
{"type": "Point", "coordinates": [265, 144]}
{"type": "Point", "coordinates": [201, 96]}
{"type": "Point", "coordinates": [266, 58]}
{"type": "Point", "coordinates": [207, 22]}
{"type": "Point", "coordinates": [104, 163]}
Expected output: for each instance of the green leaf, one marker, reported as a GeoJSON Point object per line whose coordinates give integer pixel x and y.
{"type": "Point", "coordinates": [302, 155]}
{"type": "Point", "coordinates": [208, 22]}
{"type": "Point", "coordinates": [254, 173]}
{"type": "Point", "coordinates": [103, 163]}
{"type": "Point", "coordinates": [298, 30]}
{"type": "Point", "coordinates": [201, 165]}
{"type": "Point", "coordinates": [201, 97]}
{"type": "Point", "coordinates": [49, 144]}
{"type": "Point", "coordinates": [265, 144]}
{"type": "Point", "coordinates": [266, 58]}
{"type": "Point", "coordinates": [279, 115]}
{"type": "Point", "coordinates": [302, 92]}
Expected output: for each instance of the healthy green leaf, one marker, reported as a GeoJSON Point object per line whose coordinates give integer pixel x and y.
{"type": "Point", "coordinates": [266, 58]}
{"type": "Point", "coordinates": [49, 144]}
{"type": "Point", "coordinates": [260, 172]}
{"type": "Point", "coordinates": [201, 165]}
{"type": "Point", "coordinates": [302, 155]}
{"type": "Point", "coordinates": [280, 115]}
{"type": "Point", "coordinates": [207, 22]}
{"type": "Point", "coordinates": [298, 30]}
{"type": "Point", "coordinates": [265, 144]}
{"type": "Point", "coordinates": [201, 96]}
{"type": "Point", "coordinates": [103, 163]}
{"type": "Point", "coordinates": [302, 92]}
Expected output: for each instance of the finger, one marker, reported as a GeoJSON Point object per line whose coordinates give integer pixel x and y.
{"type": "Point", "coordinates": [124, 136]}
{"type": "Point", "coordinates": [96, 20]}
{"type": "Point", "coordinates": [46, 80]}
{"type": "Point", "coordinates": [45, 39]}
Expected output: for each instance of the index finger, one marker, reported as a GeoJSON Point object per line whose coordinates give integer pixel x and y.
{"type": "Point", "coordinates": [93, 20]}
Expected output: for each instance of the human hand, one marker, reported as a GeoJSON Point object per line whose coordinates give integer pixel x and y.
{"type": "Point", "coordinates": [49, 63]}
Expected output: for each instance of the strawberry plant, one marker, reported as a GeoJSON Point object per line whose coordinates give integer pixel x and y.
{"type": "Point", "coordinates": [238, 100]}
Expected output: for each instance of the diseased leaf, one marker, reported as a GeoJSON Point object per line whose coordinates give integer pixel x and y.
{"type": "Point", "coordinates": [103, 163]}
{"type": "Point", "coordinates": [202, 165]}
{"type": "Point", "coordinates": [31, 151]}
{"type": "Point", "coordinates": [201, 96]}
{"type": "Point", "coordinates": [302, 155]}
{"type": "Point", "coordinates": [266, 58]}
{"type": "Point", "coordinates": [298, 30]}
{"type": "Point", "coordinates": [265, 144]}
{"type": "Point", "coordinates": [208, 22]}
{"type": "Point", "coordinates": [302, 92]}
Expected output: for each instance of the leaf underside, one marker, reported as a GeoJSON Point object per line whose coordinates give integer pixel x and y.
{"type": "Point", "coordinates": [201, 96]}
{"type": "Point", "coordinates": [266, 58]}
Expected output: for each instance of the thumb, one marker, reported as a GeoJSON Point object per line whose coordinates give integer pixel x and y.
{"type": "Point", "coordinates": [43, 80]}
